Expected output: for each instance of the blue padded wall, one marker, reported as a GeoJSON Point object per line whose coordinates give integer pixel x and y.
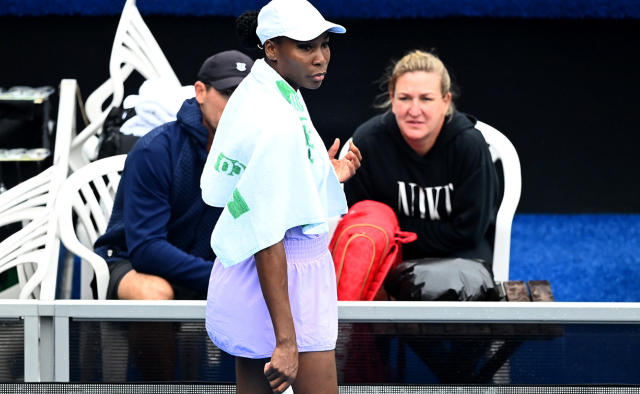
{"type": "Point", "coordinates": [344, 8]}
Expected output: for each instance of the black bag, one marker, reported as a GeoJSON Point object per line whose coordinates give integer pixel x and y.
{"type": "Point", "coordinates": [441, 279]}
{"type": "Point", "coordinates": [112, 141]}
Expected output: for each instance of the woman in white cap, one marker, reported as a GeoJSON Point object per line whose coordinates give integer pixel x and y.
{"type": "Point", "coordinates": [272, 292]}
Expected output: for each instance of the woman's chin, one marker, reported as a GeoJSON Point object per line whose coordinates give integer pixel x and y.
{"type": "Point", "coordinates": [312, 85]}
{"type": "Point", "coordinates": [412, 133]}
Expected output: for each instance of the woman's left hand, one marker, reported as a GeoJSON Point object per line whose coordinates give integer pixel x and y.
{"type": "Point", "coordinates": [345, 167]}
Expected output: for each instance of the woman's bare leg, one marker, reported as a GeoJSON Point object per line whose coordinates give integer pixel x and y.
{"type": "Point", "coordinates": [317, 373]}
{"type": "Point", "coordinates": [250, 376]}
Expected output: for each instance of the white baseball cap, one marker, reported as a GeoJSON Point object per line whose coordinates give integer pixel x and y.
{"type": "Point", "coordinates": [296, 19]}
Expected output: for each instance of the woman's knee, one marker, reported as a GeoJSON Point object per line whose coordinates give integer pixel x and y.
{"type": "Point", "coordinates": [138, 286]}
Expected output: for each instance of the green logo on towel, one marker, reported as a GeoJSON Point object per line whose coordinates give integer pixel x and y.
{"type": "Point", "coordinates": [292, 98]}
{"type": "Point", "coordinates": [237, 206]}
{"type": "Point", "coordinates": [228, 166]}
{"type": "Point", "coordinates": [290, 95]}
{"type": "Point", "coordinates": [307, 138]}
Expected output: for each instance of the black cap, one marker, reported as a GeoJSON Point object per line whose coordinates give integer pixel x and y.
{"type": "Point", "coordinates": [225, 70]}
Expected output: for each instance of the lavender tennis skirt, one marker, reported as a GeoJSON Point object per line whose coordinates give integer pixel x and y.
{"type": "Point", "coordinates": [238, 320]}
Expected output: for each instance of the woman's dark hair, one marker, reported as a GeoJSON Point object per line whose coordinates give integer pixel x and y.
{"type": "Point", "coordinates": [246, 25]}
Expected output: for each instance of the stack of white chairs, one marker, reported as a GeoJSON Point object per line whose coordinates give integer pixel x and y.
{"type": "Point", "coordinates": [89, 191]}
{"type": "Point", "coordinates": [44, 205]}
{"type": "Point", "coordinates": [34, 248]}
{"type": "Point", "coordinates": [134, 48]}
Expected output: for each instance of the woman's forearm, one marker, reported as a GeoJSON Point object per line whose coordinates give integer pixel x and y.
{"type": "Point", "coordinates": [271, 264]}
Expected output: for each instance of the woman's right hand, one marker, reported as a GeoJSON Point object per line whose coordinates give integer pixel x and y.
{"type": "Point", "coordinates": [282, 370]}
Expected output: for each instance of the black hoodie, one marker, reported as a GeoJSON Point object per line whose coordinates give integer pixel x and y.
{"type": "Point", "coordinates": [449, 196]}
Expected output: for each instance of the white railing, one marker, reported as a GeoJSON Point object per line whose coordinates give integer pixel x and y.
{"type": "Point", "coordinates": [48, 360]}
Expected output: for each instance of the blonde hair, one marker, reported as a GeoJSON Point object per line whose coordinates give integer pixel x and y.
{"type": "Point", "coordinates": [415, 60]}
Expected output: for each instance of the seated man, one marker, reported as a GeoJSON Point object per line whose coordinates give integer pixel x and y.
{"type": "Point", "coordinates": [157, 241]}
{"type": "Point", "coordinates": [427, 162]}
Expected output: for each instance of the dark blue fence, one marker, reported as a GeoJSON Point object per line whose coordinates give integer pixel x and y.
{"type": "Point", "coordinates": [573, 9]}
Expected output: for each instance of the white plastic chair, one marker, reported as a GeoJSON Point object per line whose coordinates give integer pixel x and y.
{"type": "Point", "coordinates": [345, 148]}
{"type": "Point", "coordinates": [332, 222]}
{"type": "Point", "coordinates": [34, 248]}
{"type": "Point", "coordinates": [502, 149]}
{"type": "Point", "coordinates": [28, 194]}
{"type": "Point", "coordinates": [89, 193]}
{"type": "Point", "coordinates": [25, 250]}
{"type": "Point", "coordinates": [16, 250]}
{"type": "Point", "coordinates": [134, 48]}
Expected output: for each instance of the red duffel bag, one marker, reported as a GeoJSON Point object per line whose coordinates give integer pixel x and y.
{"type": "Point", "coordinates": [365, 245]}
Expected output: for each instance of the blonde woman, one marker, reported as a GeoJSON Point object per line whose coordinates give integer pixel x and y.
{"type": "Point", "coordinates": [431, 166]}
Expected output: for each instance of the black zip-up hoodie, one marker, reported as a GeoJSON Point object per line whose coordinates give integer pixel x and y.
{"type": "Point", "coordinates": [449, 196]}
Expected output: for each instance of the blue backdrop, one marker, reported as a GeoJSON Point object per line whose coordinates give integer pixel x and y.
{"type": "Point", "coordinates": [585, 257]}
{"type": "Point", "coordinates": [344, 8]}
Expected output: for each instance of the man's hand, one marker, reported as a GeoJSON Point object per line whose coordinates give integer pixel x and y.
{"type": "Point", "coordinates": [345, 167]}
{"type": "Point", "coordinates": [281, 371]}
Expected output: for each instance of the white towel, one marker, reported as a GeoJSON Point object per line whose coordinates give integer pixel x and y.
{"type": "Point", "coordinates": [158, 102]}
{"type": "Point", "coordinates": [268, 168]}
